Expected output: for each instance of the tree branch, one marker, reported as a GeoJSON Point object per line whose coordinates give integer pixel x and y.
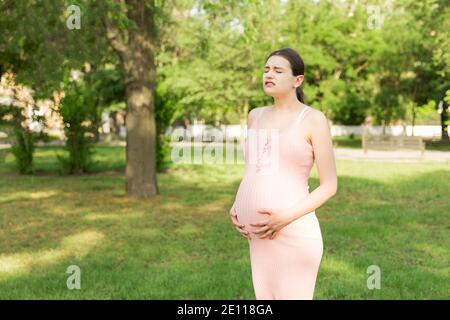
{"type": "Point", "coordinates": [115, 38]}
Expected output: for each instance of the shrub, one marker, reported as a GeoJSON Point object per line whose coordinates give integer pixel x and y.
{"type": "Point", "coordinates": [75, 111]}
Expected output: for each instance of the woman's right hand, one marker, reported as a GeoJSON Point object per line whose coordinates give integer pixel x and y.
{"type": "Point", "coordinates": [239, 227]}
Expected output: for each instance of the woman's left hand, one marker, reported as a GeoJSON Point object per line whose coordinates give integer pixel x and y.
{"type": "Point", "coordinates": [272, 226]}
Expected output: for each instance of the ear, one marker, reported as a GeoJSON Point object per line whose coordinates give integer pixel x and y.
{"type": "Point", "coordinates": [299, 80]}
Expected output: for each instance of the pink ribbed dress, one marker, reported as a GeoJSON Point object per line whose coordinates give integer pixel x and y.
{"type": "Point", "coordinates": [278, 165]}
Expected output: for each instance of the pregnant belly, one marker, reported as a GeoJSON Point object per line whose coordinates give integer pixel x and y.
{"type": "Point", "coordinates": [270, 195]}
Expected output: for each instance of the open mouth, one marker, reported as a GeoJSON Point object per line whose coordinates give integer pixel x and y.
{"type": "Point", "coordinates": [269, 84]}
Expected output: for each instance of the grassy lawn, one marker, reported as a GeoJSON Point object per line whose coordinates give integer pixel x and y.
{"type": "Point", "coordinates": [181, 244]}
{"type": "Point", "coordinates": [106, 158]}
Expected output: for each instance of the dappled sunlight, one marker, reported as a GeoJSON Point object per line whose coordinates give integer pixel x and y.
{"type": "Point", "coordinates": [172, 206]}
{"type": "Point", "coordinates": [190, 211]}
{"type": "Point", "coordinates": [42, 194]}
{"type": "Point", "coordinates": [113, 216]}
{"type": "Point", "coordinates": [26, 195]}
{"type": "Point", "coordinates": [23, 227]}
{"type": "Point", "coordinates": [414, 226]}
{"type": "Point", "coordinates": [213, 209]}
{"type": "Point", "coordinates": [177, 228]}
{"type": "Point", "coordinates": [377, 202]}
{"type": "Point", "coordinates": [187, 229]}
{"type": "Point", "coordinates": [61, 209]}
{"type": "Point", "coordinates": [76, 246]}
{"type": "Point", "coordinates": [434, 251]}
{"type": "Point", "coordinates": [337, 268]}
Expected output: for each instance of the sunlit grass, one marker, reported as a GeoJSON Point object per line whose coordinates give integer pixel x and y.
{"type": "Point", "coordinates": [105, 158]}
{"type": "Point", "coordinates": [77, 245]}
{"type": "Point", "coordinates": [181, 244]}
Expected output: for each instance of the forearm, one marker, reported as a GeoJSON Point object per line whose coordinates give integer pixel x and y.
{"type": "Point", "coordinates": [310, 203]}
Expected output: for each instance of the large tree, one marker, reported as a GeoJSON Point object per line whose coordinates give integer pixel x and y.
{"type": "Point", "coordinates": [136, 46]}
{"type": "Point", "coordinates": [35, 39]}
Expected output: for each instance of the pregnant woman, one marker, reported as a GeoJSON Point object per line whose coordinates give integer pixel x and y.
{"type": "Point", "coordinates": [273, 207]}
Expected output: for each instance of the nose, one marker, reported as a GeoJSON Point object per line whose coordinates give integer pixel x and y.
{"type": "Point", "coordinates": [268, 74]}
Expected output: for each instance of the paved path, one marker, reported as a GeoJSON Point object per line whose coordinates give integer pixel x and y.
{"type": "Point", "coordinates": [372, 155]}
{"type": "Point", "coordinates": [392, 156]}
{"type": "Point", "coordinates": [397, 155]}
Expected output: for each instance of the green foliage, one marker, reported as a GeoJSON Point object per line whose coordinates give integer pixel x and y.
{"type": "Point", "coordinates": [17, 114]}
{"type": "Point", "coordinates": [447, 97]}
{"type": "Point", "coordinates": [105, 91]}
{"type": "Point", "coordinates": [165, 111]}
{"type": "Point", "coordinates": [75, 111]}
{"type": "Point", "coordinates": [403, 56]}
{"type": "Point", "coordinates": [163, 151]}
{"type": "Point", "coordinates": [44, 49]}
{"type": "Point", "coordinates": [98, 88]}
{"type": "Point", "coordinates": [80, 153]}
{"type": "Point", "coordinates": [428, 112]}
{"type": "Point", "coordinates": [23, 149]}
{"type": "Point", "coordinates": [209, 64]}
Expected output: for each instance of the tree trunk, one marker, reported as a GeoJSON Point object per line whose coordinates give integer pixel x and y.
{"type": "Point", "coordinates": [444, 127]}
{"type": "Point", "coordinates": [186, 122]}
{"type": "Point", "coordinates": [97, 120]}
{"type": "Point", "coordinates": [140, 120]}
{"type": "Point", "coordinates": [137, 58]}
{"type": "Point", "coordinates": [113, 123]}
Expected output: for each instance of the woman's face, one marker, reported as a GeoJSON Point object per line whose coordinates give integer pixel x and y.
{"type": "Point", "coordinates": [278, 80]}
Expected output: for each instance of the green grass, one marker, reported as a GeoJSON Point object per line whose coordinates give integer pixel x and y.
{"type": "Point", "coordinates": [181, 244]}
{"type": "Point", "coordinates": [106, 158]}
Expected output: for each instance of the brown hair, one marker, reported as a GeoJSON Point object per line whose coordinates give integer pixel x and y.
{"type": "Point", "coordinates": [297, 66]}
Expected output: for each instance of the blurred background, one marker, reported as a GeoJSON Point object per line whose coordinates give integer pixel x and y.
{"type": "Point", "coordinates": [96, 95]}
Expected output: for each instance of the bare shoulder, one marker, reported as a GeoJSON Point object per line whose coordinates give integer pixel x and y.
{"type": "Point", "coordinates": [253, 114]}
{"type": "Point", "coordinates": [315, 121]}
{"type": "Point", "coordinates": [317, 117]}
{"type": "Point", "coordinates": [256, 110]}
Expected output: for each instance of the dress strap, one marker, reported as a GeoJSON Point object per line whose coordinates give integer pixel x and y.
{"type": "Point", "coordinates": [300, 116]}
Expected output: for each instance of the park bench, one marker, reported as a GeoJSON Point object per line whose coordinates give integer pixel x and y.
{"type": "Point", "coordinates": [392, 143]}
